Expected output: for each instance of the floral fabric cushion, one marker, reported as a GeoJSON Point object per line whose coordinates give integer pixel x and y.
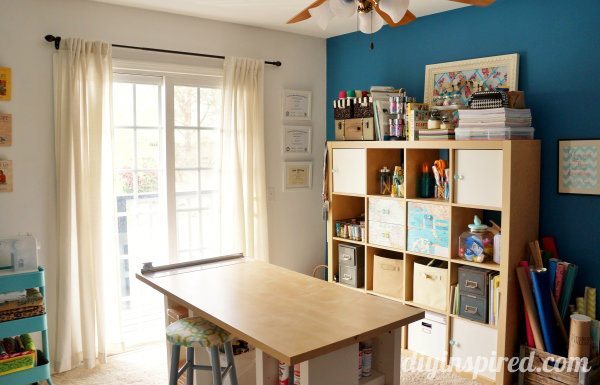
{"type": "Point", "coordinates": [196, 332]}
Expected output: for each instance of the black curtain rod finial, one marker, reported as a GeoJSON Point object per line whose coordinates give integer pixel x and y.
{"type": "Point", "coordinates": [55, 39]}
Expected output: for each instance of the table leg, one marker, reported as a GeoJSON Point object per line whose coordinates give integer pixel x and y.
{"type": "Point", "coordinates": [266, 368]}
{"type": "Point", "coordinates": [336, 368]}
{"type": "Point", "coordinates": [387, 351]}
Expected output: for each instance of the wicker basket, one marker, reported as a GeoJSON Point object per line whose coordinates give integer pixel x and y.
{"type": "Point", "coordinates": [560, 374]}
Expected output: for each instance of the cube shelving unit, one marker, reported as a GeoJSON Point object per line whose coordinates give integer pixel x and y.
{"type": "Point", "coordinates": [500, 178]}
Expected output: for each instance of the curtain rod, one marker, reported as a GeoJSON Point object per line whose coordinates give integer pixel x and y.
{"type": "Point", "coordinates": [57, 39]}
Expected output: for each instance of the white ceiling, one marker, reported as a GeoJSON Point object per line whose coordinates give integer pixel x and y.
{"type": "Point", "coordinates": [271, 14]}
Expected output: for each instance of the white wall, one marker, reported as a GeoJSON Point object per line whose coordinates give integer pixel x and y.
{"type": "Point", "coordinates": [297, 239]}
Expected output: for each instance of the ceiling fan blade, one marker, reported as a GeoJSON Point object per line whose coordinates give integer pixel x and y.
{"type": "Point", "coordinates": [477, 3]}
{"type": "Point", "coordinates": [408, 17]}
{"type": "Point", "coordinates": [305, 14]}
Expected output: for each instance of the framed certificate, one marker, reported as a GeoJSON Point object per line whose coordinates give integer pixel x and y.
{"type": "Point", "coordinates": [297, 139]}
{"type": "Point", "coordinates": [296, 105]}
{"type": "Point", "coordinates": [297, 176]}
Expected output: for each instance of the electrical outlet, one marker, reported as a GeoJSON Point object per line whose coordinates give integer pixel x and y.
{"type": "Point", "coordinates": [271, 194]}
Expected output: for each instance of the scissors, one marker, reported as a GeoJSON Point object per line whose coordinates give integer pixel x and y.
{"type": "Point", "coordinates": [440, 165]}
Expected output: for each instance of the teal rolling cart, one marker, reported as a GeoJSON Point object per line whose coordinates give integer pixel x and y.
{"type": "Point", "coordinates": [18, 282]}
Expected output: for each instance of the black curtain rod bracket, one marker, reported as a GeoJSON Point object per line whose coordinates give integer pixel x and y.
{"type": "Point", "coordinates": [57, 39]}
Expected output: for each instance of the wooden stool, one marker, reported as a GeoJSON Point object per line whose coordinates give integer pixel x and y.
{"type": "Point", "coordinates": [196, 332]}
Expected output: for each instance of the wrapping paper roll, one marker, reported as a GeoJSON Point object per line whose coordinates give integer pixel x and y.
{"type": "Point", "coordinates": [580, 339]}
{"type": "Point", "coordinates": [590, 302]}
{"type": "Point", "coordinates": [580, 303]}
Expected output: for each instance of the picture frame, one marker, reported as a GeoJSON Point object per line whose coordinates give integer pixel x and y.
{"type": "Point", "coordinates": [578, 166]}
{"type": "Point", "coordinates": [6, 176]}
{"type": "Point", "coordinates": [5, 84]}
{"type": "Point", "coordinates": [493, 71]}
{"type": "Point", "coordinates": [297, 176]}
{"type": "Point", "coordinates": [296, 105]}
{"type": "Point", "coordinates": [5, 130]}
{"type": "Point", "coordinates": [297, 140]}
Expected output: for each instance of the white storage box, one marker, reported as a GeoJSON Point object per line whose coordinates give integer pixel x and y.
{"type": "Point", "coordinates": [494, 133]}
{"type": "Point", "coordinates": [430, 283]}
{"type": "Point", "coordinates": [428, 336]}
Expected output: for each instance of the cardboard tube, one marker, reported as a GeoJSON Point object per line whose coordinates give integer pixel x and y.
{"type": "Point", "coordinates": [530, 306]}
{"type": "Point", "coordinates": [580, 338]}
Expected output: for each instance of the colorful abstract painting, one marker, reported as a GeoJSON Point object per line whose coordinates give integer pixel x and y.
{"type": "Point", "coordinates": [466, 76]}
{"type": "Point", "coordinates": [579, 166]}
{"type": "Point", "coordinates": [488, 78]}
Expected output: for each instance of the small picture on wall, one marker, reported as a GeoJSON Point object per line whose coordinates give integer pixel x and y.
{"type": "Point", "coordinates": [579, 167]}
{"type": "Point", "coordinates": [6, 181]}
{"type": "Point", "coordinates": [296, 105]}
{"type": "Point", "coordinates": [297, 175]}
{"type": "Point", "coordinates": [5, 130]}
{"type": "Point", "coordinates": [5, 86]}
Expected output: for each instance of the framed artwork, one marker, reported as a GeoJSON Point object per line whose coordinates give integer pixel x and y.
{"type": "Point", "coordinates": [6, 177]}
{"type": "Point", "coordinates": [5, 83]}
{"type": "Point", "coordinates": [579, 166]}
{"type": "Point", "coordinates": [5, 130]}
{"type": "Point", "coordinates": [297, 139]}
{"type": "Point", "coordinates": [465, 75]}
{"type": "Point", "coordinates": [297, 176]}
{"type": "Point", "coordinates": [296, 105]}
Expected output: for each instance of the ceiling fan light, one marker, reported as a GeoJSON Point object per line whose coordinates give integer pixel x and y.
{"type": "Point", "coordinates": [369, 22]}
{"type": "Point", "coordinates": [322, 14]}
{"type": "Point", "coordinates": [396, 9]}
{"type": "Point", "coordinates": [343, 8]}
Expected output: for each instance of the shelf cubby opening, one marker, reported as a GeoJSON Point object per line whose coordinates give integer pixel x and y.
{"type": "Point", "coordinates": [415, 158]}
{"type": "Point", "coordinates": [377, 158]}
{"type": "Point", "coordinates": [462, 217]}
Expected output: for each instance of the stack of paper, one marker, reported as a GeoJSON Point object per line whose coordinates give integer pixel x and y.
{"type": "Point", "coordinates": [494, 118]}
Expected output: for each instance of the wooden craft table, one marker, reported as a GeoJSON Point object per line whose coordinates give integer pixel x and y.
{"type": "Point", "coordinates": [290, 317]}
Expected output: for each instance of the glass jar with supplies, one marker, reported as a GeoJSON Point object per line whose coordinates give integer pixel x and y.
{"type": "Point", "coordinates": [385, 181]}
{"type": "Point", "coordinates": [434, 122]}
{"type": "Point", "coordinates": [476, 244]}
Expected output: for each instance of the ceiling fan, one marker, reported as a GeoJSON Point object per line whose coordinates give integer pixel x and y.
{"type": "Point", "coordinates": [372, 14]}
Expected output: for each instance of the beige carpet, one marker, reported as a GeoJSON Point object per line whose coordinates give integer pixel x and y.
{"type": "Point", "coordinates": [147, 366]}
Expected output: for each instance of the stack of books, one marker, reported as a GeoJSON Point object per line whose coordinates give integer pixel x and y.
{"type": "Point", "coordinates": [494, 123]}
{"type": "Point", "coordinates": [436, 134]}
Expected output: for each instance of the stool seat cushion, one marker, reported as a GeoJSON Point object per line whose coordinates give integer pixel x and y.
{"type": "Point", "coordinates": [196, 332]}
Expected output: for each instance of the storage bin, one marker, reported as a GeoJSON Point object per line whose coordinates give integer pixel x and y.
{"type": "Point", "coordinates": [342, 109]}
{"type": "Point", "coordinates": [363, 107]}
{"type": "Point", "coordinates": [388, 275]}
{"type": "Point", "coordinates": [559, 375]}
{"type": "Point", "coordinates": [18, 362]}
{"type": "Point", "coordinates": [353, 276]}
{"type": "Point", "coordinates": [493, 133]}
{"type": "Point", "coordinates": [474, 307]}
{"type": "Point", "coordinates": [386, 234]}
{"type": "Point", "coordinates": [359, 129]}
{"type": "Point", "coordinates": [428, 336]}
{"type": "Point", "coordinates": [428, 226]}
{"type": "Point", "coordinates": [430, 283]}
{"type": "Point", "coordinates": [472, 280]}
{"type": "Point", "coordinates": [350, 255]}
{"type": "Point", "coordinates": [387, 210]}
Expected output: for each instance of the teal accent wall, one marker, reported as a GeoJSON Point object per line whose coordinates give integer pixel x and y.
{"type": "Point", "coordinates": [559, 44]}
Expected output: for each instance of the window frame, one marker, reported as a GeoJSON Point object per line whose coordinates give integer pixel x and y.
{"type": "Point", "coordinates": [172, 75]}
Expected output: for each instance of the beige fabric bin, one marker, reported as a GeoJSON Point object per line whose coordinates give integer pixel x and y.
{"type": "Point", "coordinates": [430, 284]}
{"type": "Point", "coordinates": [388, 276]}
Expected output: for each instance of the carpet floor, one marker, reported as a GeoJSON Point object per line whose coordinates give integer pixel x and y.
{"type": "Point", "coordinates": [147, 366]}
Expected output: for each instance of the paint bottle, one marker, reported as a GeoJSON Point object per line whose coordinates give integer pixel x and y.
{"type": "Point", "coordinates": [367, 360]}
{"type": "Point", "coordinates": [297, 374]}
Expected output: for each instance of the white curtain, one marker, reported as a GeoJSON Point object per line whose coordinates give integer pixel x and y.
{"type": "Point", "coordinates": [82, 112]}
{"type": "Point", "coordinates": [243, 183]}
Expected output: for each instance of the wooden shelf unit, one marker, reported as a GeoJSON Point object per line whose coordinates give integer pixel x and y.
{"type": "Point", "coordinates": [518, 209]}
